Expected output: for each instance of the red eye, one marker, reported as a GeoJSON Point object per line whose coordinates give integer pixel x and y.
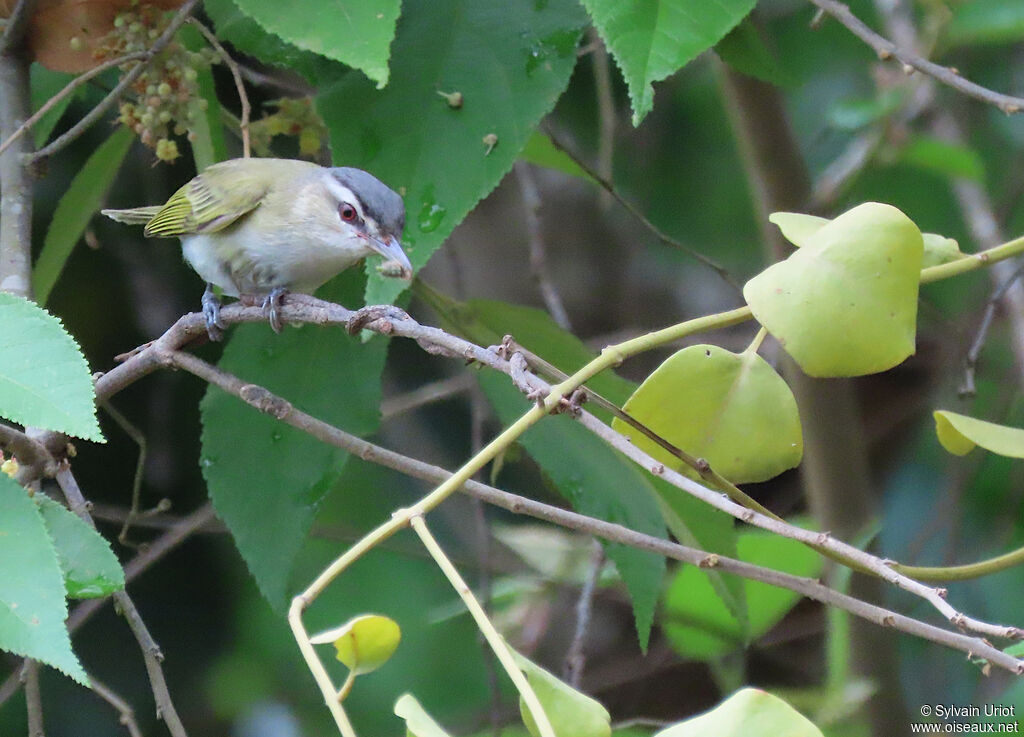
{"type": "Point", "coordinates": [347, 212]}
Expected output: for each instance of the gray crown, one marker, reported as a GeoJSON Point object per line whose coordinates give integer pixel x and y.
{"type": "Point", "coordinates": [379, 201]}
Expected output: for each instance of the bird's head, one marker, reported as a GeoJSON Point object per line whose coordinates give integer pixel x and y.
{"type": "Point", "coordinates": [369, 210]}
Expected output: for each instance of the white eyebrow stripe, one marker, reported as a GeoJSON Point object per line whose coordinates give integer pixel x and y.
{"type": "Point", "coordinates": [344, 194]}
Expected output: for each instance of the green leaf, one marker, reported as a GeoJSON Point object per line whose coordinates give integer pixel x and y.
{"type": "Point", "coordinates": [90, 568]}
{"type": "Point", "coordinates": [598, 483]}
{"type": "Point", "coordinates": [485, 322]}
{"type": "Point", "coordinates": [750, 712]}
{"type": "Point", "coordinates": [247, 36]}
{"type": "Point", "coordinates": [846, 303]}
{"type": "Point", "coordinates": [417, 722]}
{"type": "Point", "coordinates": [798, 229]}
{"type": "Point", "coordinates": [44, 379]}
{"type": "Point", "coordinates": [355, 32]}
{"type": "Point", "coordinates": [44, 84]}
{"type": "Point", "coordinates": [76, 209]}
{"type": "Point", "coordinates": [571, 713]}
{"type": "Point", "coordinates": [731, 409]}
{"type": "Point", "coordinates": [696, 621]}
{"type": "Point", "coordinates": [652, 39]}
{"type": "Point", "coordinates": [851, 114]}
{"type": "Point", "coordinates": [540, 151]}
{"type": "Point", "coordinates": [32, 606]}
{"type": "Point", "coordinates": [744, 50]}
{"type": "Point", "coordinates": [510, 60]}
{"type": "Point", "coordinates": [364, 643]}
{"type": "Point", "coordinates": [942, 157]}
{"type": "Point", "coordinates": [264, 477]}
{"type": "Point", "coordinates": [985, 22]}
{"type": "Point", "coordinates": [959, 434]}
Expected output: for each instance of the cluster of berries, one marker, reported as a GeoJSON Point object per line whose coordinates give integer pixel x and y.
{"type": "Point", "coordinates": [292, 117]}
{"type": "Point", "coordinates": [164, 100]}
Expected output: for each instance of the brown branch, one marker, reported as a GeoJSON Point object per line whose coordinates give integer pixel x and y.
{"type": "Point", "coordinates": [34, 460]}
{"type": "Point", "coordinates": [16, 26]}
{"type": "Point", "coordinates": [886, 50]}
{"type": "Point", "coordinates": [33, 699]}
{"type": "Point", "coordinates": [151, 655]}
{"type": "Point", "coordinates": [114, 95]}
{"type": "Point", "coordinates": [125, 713]}
{"type": "Point", "coordinates": [576, 656]}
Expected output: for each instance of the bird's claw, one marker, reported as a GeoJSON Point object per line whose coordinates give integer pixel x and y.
{"type": "Point", "coordinates": [365, 315]}
{"type": "Point", "coordinates": [271, 306]}
{"type": "Point", "coordinates": [211, 311]}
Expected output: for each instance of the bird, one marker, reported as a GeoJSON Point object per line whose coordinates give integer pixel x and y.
{"type": "Point", "coordinates": [264, 227]}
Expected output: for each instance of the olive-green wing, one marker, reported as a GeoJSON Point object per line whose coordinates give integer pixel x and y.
{"type": "Point", "coordinates": [211, 201]}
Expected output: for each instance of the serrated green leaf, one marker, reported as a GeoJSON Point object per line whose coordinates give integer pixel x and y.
{"type": "Point", "coordinates": [264, 477]}
{"type": "Point", "coordinates": [510, 60]}
{"type": "Point", "coordinates": [695, 619]}
{"type": "Point", "coordinates": [44, 379]}
{"type": "Point", "coordinates": [90, 568]}
{"type": "Point", "coordinates": [76, 208]}
{"type": "Point", "coordinates": [44, 84]}
{"type": "Point", "coordinates": [744, 50]}
{"type": "Point", "coordinates": [417, 722]}
{"type": "Point", "coordinates": [248, 36]}
{"type": "Point", "coordinates": [846, 303]}
{"type": "Point", "coordinates": [540, 151]}
{"type": "Point", "coordinates": [985, 22]}
{"type": "Point", "coordinates": [355, 32]}
{"type": "Point", "coordinates": [750, 712]}
{"type": "Point", "coordinates": [571, 713]}
{"type": "Point", "coordinates": [959, 434]}
{"type": "Point", "coordinates": [32, 605]}
{"type": "Point", "coordinates": [731, 409]}
{"type": "Point", "coordinates": [652, 39]}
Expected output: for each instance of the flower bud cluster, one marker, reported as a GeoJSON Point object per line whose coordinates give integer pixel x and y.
{"type": "Point", "coordinates": [164, 100]}
{"type": "Point", "coordinates": [293, 117]}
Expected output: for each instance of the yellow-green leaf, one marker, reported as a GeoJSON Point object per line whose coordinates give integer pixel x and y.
{"type": "Point", "coordinates": [571, 713]}
{"type": "Point", "coordinates": [959, 434]}
{"type": "Point", "coordinates": [846, 303]}
{"type": "Point", "coordinates": [938, 249]}
{"type": "Point", "coordinates": [731, 409]}
{"type": "Point", "coordinates": [417, 722]}
{"type": "Point", "coordinates": [750, 712]}
{"type": "Point", "coordinates": [364, 643]}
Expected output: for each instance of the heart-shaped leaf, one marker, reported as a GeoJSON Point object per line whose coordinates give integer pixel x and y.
{"type": "Point", "coordinates": [750, 712]}
{"type": "Point", "coordinates": [571, 713]}
{"type": "Point", "coordinates": [798, 229]}
{"type": "Point", "coordinates": [731, 409]}
{"type": "Point", "coordinates": [846, 303]}
{"type": "Point", "coordinates": [363, 643]}
{"type": "Point", "coordinates": [959, 434]}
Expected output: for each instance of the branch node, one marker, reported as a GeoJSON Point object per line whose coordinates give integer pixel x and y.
{"type": "Point", "coordinates": [264, 401]}
{"type": "Point", "coordinates": [708, 561]}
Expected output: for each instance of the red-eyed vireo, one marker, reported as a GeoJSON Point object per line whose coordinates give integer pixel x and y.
{"type": "Point", "coordinates": [264, 227]}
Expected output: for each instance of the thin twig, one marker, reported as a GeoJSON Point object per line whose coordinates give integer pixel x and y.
{"type": "Point", "coordinates": [968, 388]}
{"type": "Point", "coordinates": [538, 256]}
{"type": "Point", "coordinates": [70, 87]}
{"type": "Point", "coordinates": [139, 439]}
{"type": "Point", "coordinates": [605, 112]}
{"type": "Point", "coordinates": [576, 657]}
{"type": "Point", "coordinates": [114, 95]}
{"type": "Point", "coordinates": [633, 210]}
{"type": "Point", "coordinates": [151, 654]}
{"type": "Point", "coordinates": [236, 74]}
{"type": "Point", "coordinates": [33, 699]}
{"type": "Point", "coordinates": [888, 50]}
{"type": "Point", "coordinates": [34, 460]}
{"type": "Point", "coordinates": [436, 391]}
{"type": "Point", "coordinates": [125, 713]}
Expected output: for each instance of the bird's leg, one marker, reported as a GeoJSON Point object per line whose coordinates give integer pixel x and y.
{"type": "Point", "coordinates": [272, 304]}
{"type": "Point", "coordinates": [211, 311]}
{"type": "Point", "coordinates": [371, 313]}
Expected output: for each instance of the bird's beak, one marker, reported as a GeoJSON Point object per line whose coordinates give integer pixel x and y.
{"type": "Point", "coordinates": [391, 250]}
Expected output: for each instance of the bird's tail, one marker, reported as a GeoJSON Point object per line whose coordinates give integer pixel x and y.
{"type": "Point", "coordinates": [134, 216]}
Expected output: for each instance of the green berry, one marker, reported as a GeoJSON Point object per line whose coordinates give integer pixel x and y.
{"type": "Point", "coordinates": [164, 90]}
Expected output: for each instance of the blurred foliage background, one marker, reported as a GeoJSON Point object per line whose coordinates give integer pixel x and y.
{"type": "Point", "coordinates": [231, 661]}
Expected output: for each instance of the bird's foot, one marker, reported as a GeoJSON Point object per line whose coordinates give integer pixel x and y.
{"type": "Point", "coordinates": [371, 313]}
{"type": "Point", "coordinates": [211, 311]}
{"type": "Point", "coordinates": [271, 306]}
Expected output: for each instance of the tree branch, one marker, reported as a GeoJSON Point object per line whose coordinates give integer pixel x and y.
{"type": "Point", "coordinates": [888, 50]}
